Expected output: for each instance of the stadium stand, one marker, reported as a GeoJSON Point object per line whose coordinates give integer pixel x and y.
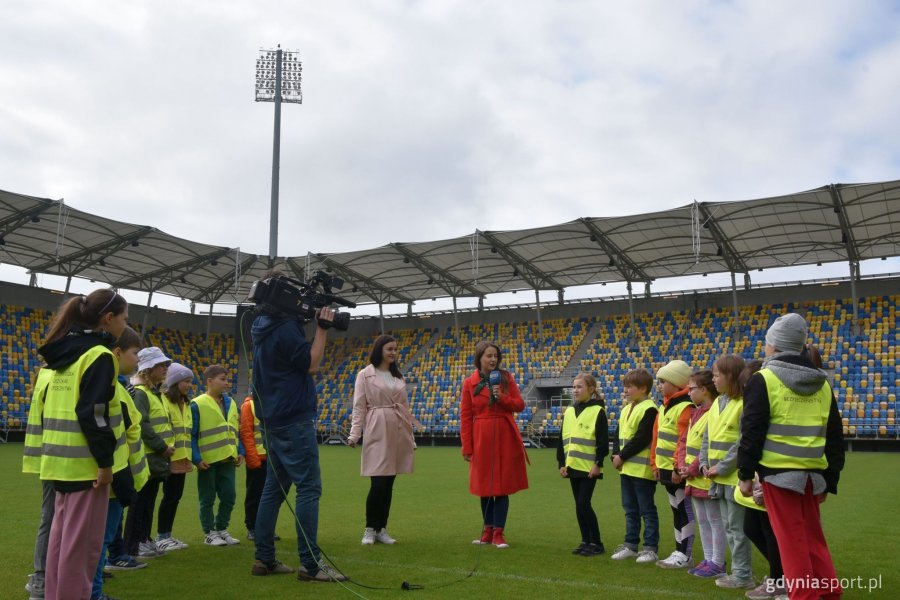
{"type": "Point", "coordinates": [862, 366]}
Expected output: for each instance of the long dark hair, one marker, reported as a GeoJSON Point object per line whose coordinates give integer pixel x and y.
{"type": "Point", "coordinates": [750, 369]}
{"type": "Point", "coordinates": [377, 355]}
{"type": "Point", "coordinates": [85, 312]}
{"type": "Point", "coordinates": [480, 348]}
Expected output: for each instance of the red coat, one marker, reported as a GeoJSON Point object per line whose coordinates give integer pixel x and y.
{"type": "Point", "coordinates": [490, 435]}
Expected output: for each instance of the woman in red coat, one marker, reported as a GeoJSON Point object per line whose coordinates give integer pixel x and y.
{"type": "Point", "coordinates": [491, 442]}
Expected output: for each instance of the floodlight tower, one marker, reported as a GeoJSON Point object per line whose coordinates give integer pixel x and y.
{"type": "Point", "coordinates": [278, 77]}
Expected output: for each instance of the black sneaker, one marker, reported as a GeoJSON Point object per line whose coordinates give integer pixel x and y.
{"type": "Point", "coordinates": [580, 548]}
{"type": "Point", "coordinates": [593, 550]}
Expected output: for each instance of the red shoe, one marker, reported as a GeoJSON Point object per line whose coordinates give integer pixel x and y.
{"type": "Point", "coordinates": [487, 536]}
{"type": "Point", "coordinates": [499, 540]}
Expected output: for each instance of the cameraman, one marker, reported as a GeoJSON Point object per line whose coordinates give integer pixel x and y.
{"type": "Point", "coordinates": [285, 402]}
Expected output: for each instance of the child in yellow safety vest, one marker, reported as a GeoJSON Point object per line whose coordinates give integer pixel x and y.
{"type": "Point", "coordinates": [632, 459]}
{"type": "Point", "coordinates": [583, 445]}
{"type": "Point", "coordinates": [130, 471]}
{"type": "Point", "coordinates": [216, 451]}
{"type": "Point", "coordinates": [707, 515]}
{"type": "Point", "coordinates": [718, 462]}
{"type": "Point", "coordinates": [176, 402]}
{"type": "Point", "coordinates": [669, 435]}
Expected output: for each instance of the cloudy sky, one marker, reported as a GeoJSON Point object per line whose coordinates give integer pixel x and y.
{"type": "Point", "coordinates": [428, 119]}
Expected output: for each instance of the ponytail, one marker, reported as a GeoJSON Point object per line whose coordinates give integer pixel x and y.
{"type": "Point", "coordinates": [84, 312]}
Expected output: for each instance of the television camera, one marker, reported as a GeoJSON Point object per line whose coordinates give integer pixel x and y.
{"type": "Point", "coordinates": [301, 299]}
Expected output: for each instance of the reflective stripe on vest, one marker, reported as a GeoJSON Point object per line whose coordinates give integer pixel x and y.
{"type": "Point", "coordinates": [667, 435]}
{"type": "Point", "coordinates": [31, 454]}
{"type": "Point", "coordinates": [724, 429]}
{"type": "Point", "coordinates": [257, 432]}
{"type": "Point", "coordinates": [117, 422]}
{"type": "Point", "coordinates": [639, 464]}
{"type": "Point", "coordinates": [65, 455]}
{"type": "Point", "coordinates": [580, 437]}
{"type": "Point", "coordinates": [692, 450]}
{"type": "Point", "coordinates": [137, 460]}
{"type": "Point", "coordinates": [217, 437]}
{"type": "Point", "coordinates": [181, 419]}
{"type": "Point", "coordinates": [158, 417]}
{"type": "Point", "coordinates": [796, 436]}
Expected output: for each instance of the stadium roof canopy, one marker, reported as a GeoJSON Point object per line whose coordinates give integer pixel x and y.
{"type": "Point", "coordinates": [839, 222]}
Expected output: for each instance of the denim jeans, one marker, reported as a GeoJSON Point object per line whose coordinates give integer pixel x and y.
{"type": "Point", "coordinates": [637, 500]}
{"type": "Point", "coordinates": [113, 521]}
{"type": "Point", "coordinates": [293, 459]}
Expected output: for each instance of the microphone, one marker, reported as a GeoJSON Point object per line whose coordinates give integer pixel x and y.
{"type": "Point", "coordinates": [494, 379]}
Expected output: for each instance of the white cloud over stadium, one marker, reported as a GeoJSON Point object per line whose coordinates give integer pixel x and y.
{"type": "Point", "coordinates": [427, 120]}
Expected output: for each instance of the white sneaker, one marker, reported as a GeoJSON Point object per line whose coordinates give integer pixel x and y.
{"type": "Point", "coordinates": [368, 538]}
{"type": "Point", "coordinates": [228, 539]}
{"type": "Point", "coordinates": [676, 560]}
{"type": "Point", "coordinates": [383, 537]}
{"type": "Point", "coordinates": [214, 539]}
{"type": "Point", "coordinates": [168, 544]}
{"type": "Point", "coordinates": [149, 550]}
{"type": "Point", "coordinates": [646, 556]}
{"type": "Point", "coordinates": [623, 552]}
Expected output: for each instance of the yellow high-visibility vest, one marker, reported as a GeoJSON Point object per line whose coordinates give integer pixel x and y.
{"type": "Point", "coordinates": [746, 501]}
{"type": "Point", "coordinates": [692, 451]}
{"type": "Point", "coordinates": [667, 435]}
{"type": "Point", "coordinates": [580, 437]}
{"type": "Point", "coordinates": [137, 459]}
{"type": "Point", "coordinates": [159, 418]}
{"type": "Point", "coordinates": [724, 430]}
{"type": "Point", "coordinates": [257, 432]}
{"type": "Point", "coordinates": [117, 423]}
{"type": "Point", "coordinates": [639, 464]}
{"type": "Point", "coordinates": [181, 419]}
{"type": "Point", "coordinates": [65, 455]}
{"type": "Point", "coordinates": [31, 455]}
{"type": "Point", "coordinates": [797, 425]}
{"type": "Point", "coordinates": [218, 436]}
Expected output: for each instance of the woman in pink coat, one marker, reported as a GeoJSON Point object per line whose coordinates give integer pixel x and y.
{"type": "Point", "coordinates": [491, 441]}
{"type": "Point", "coordinates": [381, 417]}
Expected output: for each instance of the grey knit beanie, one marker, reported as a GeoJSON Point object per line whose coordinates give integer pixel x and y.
{"type": "Point", "coordinates": [788, 333]}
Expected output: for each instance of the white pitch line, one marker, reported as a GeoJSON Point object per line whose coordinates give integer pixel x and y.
{"type": "Point", "coordinates": [543, 580]}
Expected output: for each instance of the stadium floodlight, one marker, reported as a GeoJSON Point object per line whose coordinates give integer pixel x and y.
{"type": "Point", "coordinates": [279, 69]}
{"type": "Point", "coordinates": [278, 79]}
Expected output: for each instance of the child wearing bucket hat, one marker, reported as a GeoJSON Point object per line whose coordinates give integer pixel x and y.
{"type": "Point", "coordinates": [158, 440]}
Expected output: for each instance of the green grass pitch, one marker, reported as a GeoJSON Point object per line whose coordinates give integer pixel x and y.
{"type": "Point", "coordinates": [435, 519]}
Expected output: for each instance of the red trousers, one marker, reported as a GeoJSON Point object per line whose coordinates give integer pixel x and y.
{"type": "Point", "coordinates": [76, 538]}
{"type": "Point", "coordinates": [808, 569]}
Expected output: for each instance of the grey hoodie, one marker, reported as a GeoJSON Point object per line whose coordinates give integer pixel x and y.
{"type": "Point", "coordinates": [797, 372]}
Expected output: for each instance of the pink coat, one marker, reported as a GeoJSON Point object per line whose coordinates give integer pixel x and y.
{"type": "Point", "coordinates": [382, 418]}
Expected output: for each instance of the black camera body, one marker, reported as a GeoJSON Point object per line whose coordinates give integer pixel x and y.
{"type": "Point", "coordinates": [283, 295]}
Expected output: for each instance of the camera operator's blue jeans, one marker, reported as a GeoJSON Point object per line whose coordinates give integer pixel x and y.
{"type": "Point", "coordinates": [293, 458]}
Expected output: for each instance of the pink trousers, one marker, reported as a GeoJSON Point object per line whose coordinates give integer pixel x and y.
{"type": "Point", "coordinates": [76, 538]}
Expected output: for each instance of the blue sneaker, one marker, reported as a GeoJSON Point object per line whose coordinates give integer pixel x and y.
{"type": "Point", "coordinates": [124, 563]}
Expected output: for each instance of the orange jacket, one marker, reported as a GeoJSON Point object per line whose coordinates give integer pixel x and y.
{"type": "Point", "coordinates": [684, 422]}
{"type": "Point", "coordinates": [254, 460]}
